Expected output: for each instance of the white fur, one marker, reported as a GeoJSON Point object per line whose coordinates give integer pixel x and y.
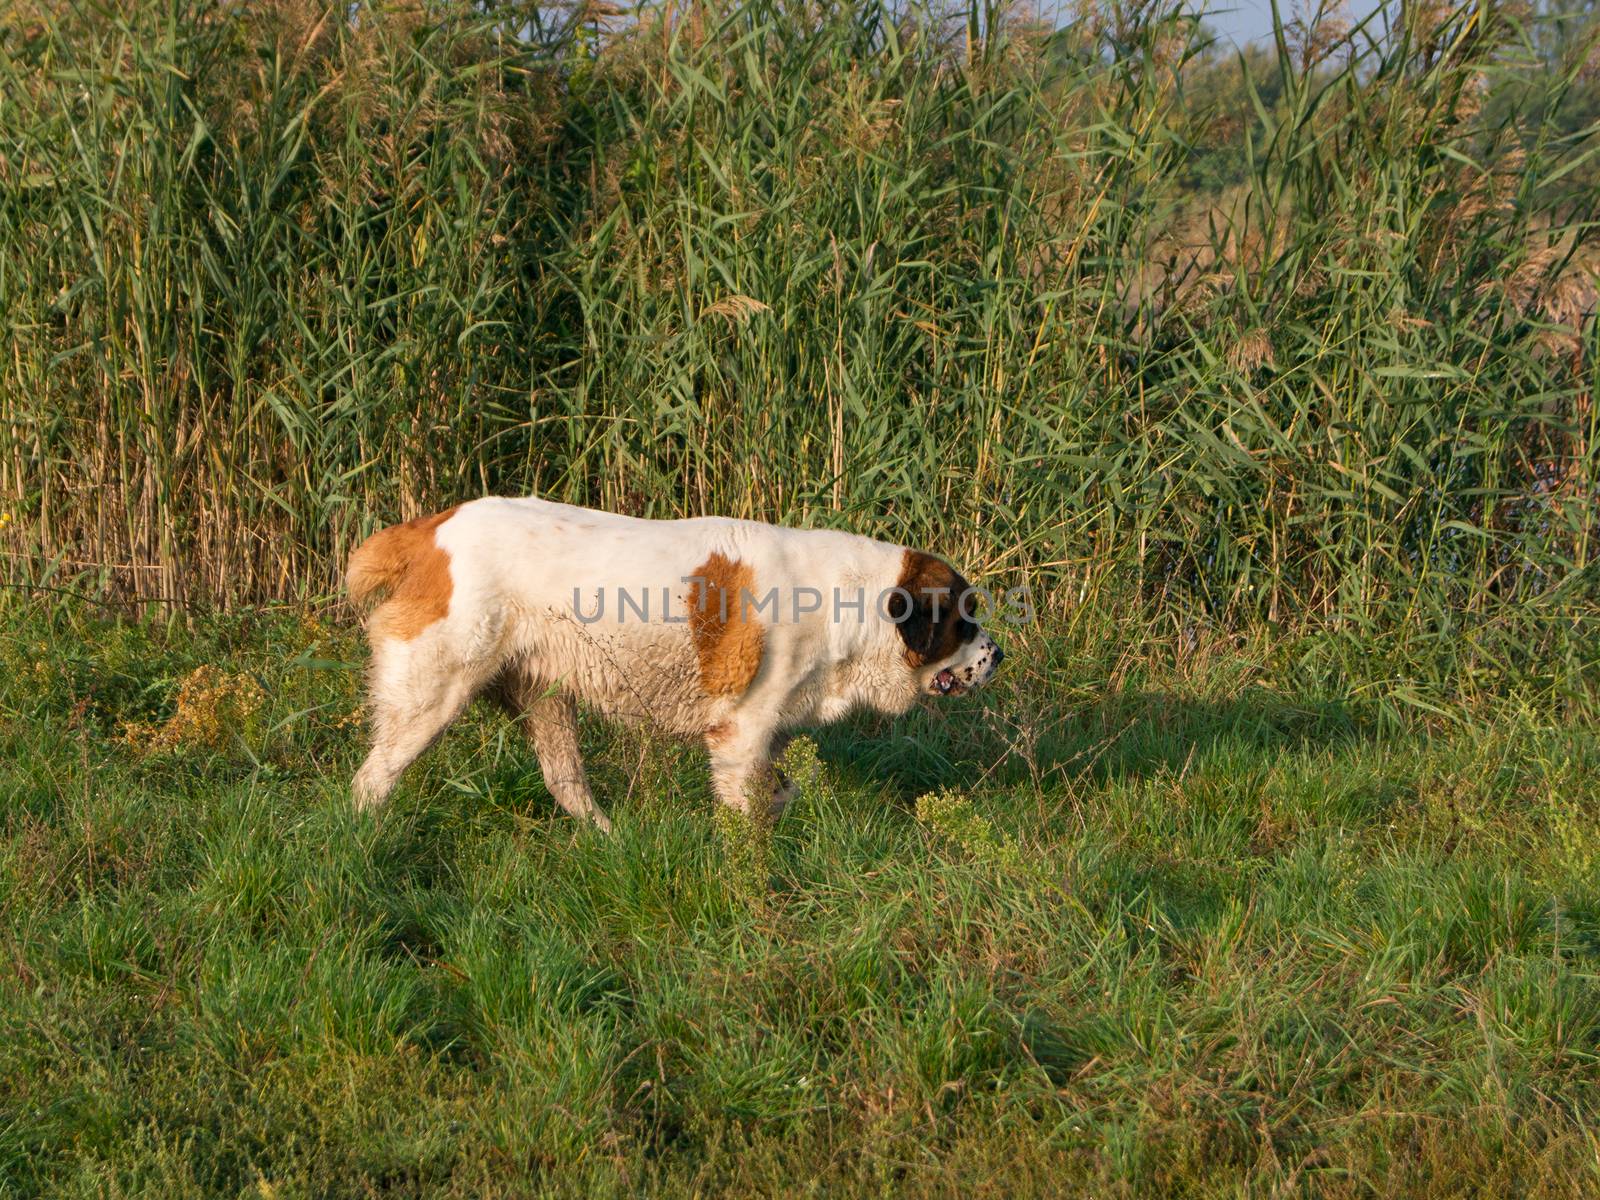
{"type": "Point", "coordinates": [511, 627]}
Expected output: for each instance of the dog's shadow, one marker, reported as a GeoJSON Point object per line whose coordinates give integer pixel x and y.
{"type": "Point", "coordinates": [983, 744]}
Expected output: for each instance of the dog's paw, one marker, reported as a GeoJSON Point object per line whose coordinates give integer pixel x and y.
{"type": "Point", "coordinates": [784, 790]}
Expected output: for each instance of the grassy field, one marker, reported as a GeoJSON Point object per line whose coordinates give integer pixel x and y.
{"type": "Point", "coordinates": [1196, 934]}
{"type": "Point", "coordinates": [1270, 867]}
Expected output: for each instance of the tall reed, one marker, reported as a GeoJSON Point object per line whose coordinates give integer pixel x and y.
{"type": "Point", "coordinates": [277, 273]}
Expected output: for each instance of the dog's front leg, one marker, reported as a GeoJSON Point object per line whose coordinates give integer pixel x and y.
{"type": "Point", "coordinates": [784, 789]}
{"type": "Point", "coordinates": [741, 771]}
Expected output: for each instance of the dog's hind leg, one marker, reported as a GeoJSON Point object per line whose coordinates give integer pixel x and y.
{"type": "Point", "coordinates": [550, 721]}
{"type": "Point", "coordinates": [417, 691]}
{"type": "Point", "coordinates": [552, 726]}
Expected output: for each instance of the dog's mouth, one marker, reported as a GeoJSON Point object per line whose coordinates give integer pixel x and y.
{"type": "Point", "coordinates": [945, 682]}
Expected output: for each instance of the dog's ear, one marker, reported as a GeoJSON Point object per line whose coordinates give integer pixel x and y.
{"type": "Point", "coordinates": [925, 607]}
{"type": "Point", "coordinates": [914, 621]}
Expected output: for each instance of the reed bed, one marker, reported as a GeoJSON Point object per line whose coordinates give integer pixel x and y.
{"type": "Point", "coordinates": [277, 273]}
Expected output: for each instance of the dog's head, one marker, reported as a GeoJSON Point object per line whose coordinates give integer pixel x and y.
{"type": "Point", "coordinates": [931, 606]}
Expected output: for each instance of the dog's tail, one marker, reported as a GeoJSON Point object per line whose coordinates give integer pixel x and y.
{"type": "Point", "coordinates": [378, 565]}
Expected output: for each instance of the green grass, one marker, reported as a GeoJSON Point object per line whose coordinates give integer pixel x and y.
{"type": "Point", "coordinates": [1195, 932]}
{"type": "Point", "coordinates": [1270, 867]}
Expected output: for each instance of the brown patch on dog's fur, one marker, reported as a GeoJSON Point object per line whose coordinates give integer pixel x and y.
{"type": "Point", "coordinates": [727, 642]}
{"type": "Point", "coordinates": [933, 631]}
{"type": "Point", "coordinates": [406, 562]}
{"type": "Point", "coordinates": [719, 733]}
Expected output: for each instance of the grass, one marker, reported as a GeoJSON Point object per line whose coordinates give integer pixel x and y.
{"type": "Point", "coordinates": [1271, 867]}
{"type": "Point", "coordinates": [1159, 926]}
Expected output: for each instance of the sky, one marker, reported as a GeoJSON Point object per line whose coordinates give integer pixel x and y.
{"type": "Point", "coordinates": [1251, 20]}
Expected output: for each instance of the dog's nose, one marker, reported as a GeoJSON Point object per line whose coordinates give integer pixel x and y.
{"type": "Point", "coordinates": [999, 657]}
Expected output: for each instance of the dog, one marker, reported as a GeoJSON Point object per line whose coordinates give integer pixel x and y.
{"type": "Point", "coordinates": [729, 631]}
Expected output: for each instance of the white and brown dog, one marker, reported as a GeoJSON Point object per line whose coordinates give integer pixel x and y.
{"type": "Point", "coordinates": [730, 631]}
